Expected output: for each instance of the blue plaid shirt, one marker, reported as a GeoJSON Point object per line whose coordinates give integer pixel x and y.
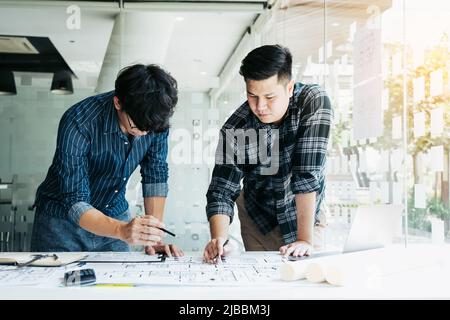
{"type": "Point", "coordinates": [94, 159]}
{"type": "Point", "coordinates": [269, 196]}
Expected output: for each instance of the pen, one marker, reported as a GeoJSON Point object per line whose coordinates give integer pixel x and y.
{"type": "Point", "coordinates": [224, 244]}
{"type": "Point", "coordinates": [167, 231]}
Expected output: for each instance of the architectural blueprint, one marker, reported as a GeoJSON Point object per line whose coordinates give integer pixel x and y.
{"type": "Point", "coordinates": [238, 270]}
{"type": "Point", "coordinates": [191, 270]}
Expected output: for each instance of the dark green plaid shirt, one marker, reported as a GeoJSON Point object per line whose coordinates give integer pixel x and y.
{"type": "Point", "coordinates": [272, 178]}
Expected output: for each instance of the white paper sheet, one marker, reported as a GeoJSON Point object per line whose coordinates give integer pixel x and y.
{"type": "Point", "coordinates": [436, 83]}
{"type": "Point", "coordinates": [419, 89]}
{"type": "Point", "coordinates": [367, 111]}
{"type": "Point", "coordinates": [437, 158]}
{"type": "Point", "coordinates": [419, 124]}
{"type": "Point", "coordinates": [251, 269]}
{"type": "Point", "coordinates": [28, 276]}
{"type": "Point", "coordinates": [231, 271]}
{"type": "Point", "coordinates": [122, 257]}
{"type": "Point", "coordinates": [436, 122]}
{"type": "Point", "coordinates": [366, 55]}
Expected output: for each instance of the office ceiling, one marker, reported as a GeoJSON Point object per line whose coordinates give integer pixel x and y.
{"type": "Point", "coordinates": [30, 54]}
{"type": "Point", "coordinates": [203, 35]}
{"type": "Point", "coordinates": [200, 42]}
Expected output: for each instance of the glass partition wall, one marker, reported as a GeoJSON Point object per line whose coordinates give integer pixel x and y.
{"type": "Point", "coordinates": [385, 66]}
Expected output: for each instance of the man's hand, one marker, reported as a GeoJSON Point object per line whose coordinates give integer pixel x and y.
{"type": "Point", "coordinates": [297, 249]}
{"type": "Point", "coordinates": [168, 249]}
{"type": "Point", "coordinates": [141, 231]}
{"type": "Point", "coordinates": [215, 249]}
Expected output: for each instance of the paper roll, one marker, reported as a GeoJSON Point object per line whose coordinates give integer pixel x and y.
{"type": "Point", "coordinates": [338, 270]}
{"type": "Point", "coordinates": [316, 272]}
{"type": "Point", "coordinates": [363, 268]}
{"type": "Point", "coordinates": [291, 271]}
{"type": "Point", "coordinates": [336, 276]}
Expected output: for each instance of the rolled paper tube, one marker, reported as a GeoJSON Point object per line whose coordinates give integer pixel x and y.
{"type": "Point", "coordinates": [335, 275]}
{"type": "Point", "coordinates": [315, 272]}
{"type": "Point", "coordinates": [291, 271]}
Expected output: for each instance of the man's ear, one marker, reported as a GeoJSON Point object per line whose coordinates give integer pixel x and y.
{"type": "Point", "coordinates": [116, 103]}
{"type": "Point", "coordinates": [290, 87]}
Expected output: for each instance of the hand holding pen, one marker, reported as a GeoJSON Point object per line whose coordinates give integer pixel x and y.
{"type": "Point", "coordinates": [215, 249]}
{"type": "Point", "coordinates": [168, 249]}
{"type": "Point", "coordinates": [143, 230]}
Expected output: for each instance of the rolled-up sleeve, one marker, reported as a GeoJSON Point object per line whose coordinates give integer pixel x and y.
{"type": "Point", "coordinates": [225, 182]}
{"type": "Point", "coordinates": [312, 141]}
{"type": "Point", "coordinates": [71, 150]}
{"type": "Point", "coordinates": [154, 167]}
{"type": "Point", "coordinates": [77, 210]}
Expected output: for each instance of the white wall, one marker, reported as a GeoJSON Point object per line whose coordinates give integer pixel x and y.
{"type": "Point", "coordinates": [28, 127]}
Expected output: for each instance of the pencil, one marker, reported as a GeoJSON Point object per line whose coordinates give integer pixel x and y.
{"type": "Point", "coordinates": [224, 244]}
{"type": "Point", "coordinates": [167, 231]}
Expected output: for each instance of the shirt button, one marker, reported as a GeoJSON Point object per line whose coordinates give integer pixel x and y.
{"type": "Point", "coordinates": [124, 179]}
{"type": "Point", "coordinates": [116, 191]}
{"type": "Point", "coordinates": [107, 206]}
{"type": "Point", "coordinates": [126, 142]}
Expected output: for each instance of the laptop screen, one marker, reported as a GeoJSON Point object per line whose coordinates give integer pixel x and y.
{"type": "Point", "coordinates": [373, 226]}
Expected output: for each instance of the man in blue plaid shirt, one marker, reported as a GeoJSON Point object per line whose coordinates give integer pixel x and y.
{"type": "Point", "coordinates": [276, 142]}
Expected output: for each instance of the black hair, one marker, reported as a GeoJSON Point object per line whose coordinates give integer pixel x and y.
{"type": "Point", "coordinates": [266, 61]}
{"type": "Point", "coordinates": [148, 94]}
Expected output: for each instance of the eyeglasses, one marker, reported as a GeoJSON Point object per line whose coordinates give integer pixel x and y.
{"type": "Point", "coordinates": [133, 127]}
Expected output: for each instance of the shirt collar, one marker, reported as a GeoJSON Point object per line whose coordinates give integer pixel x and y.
{"type": "Point", "coordinates": [111, 121]}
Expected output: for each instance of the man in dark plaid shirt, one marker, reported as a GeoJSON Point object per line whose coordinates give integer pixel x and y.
{"type": "Point", "coordinates": [276, 142]}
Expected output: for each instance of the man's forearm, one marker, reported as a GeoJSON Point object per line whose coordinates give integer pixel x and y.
{"type": "Point", "coordinates": [155, 206]}
{"type": "Point", "coordinates": [218, 225]}
{"type": "Point", "coordinates": [306, 207]}
{"type": "Point", "coordinates": [96, 222]}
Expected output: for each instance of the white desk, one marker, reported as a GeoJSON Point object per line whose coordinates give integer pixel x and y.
{"type": "Point", "coordinates": [430, 280]}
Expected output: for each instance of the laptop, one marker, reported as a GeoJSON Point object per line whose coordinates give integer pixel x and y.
{"type": "Point", "coordinates": [373, 226]}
